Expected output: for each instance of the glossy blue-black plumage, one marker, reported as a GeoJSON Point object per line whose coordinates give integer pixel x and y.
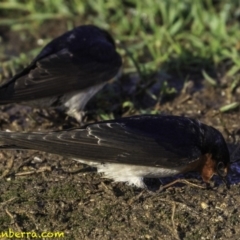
{"type": "Point", "coordinates": [148, 140]}
{"type": "Point", "coordinates": [79, 59]}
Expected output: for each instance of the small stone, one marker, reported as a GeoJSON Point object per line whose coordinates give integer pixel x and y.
{"type": "Point", "coordinates": [37, 160]}
{"type": "Point", "coordinates": [204, 205]}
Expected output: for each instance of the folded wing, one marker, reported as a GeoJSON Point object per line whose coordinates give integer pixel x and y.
{"type": "Point", "coordinates": [110, 142]}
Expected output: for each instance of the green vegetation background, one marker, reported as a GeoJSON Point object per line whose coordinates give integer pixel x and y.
{"type": "Point", "coordinates": [179, 37]}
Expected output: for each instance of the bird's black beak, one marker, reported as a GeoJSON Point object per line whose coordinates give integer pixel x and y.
{"type": "Point", "coordinates": [226, 181]}
{"type": "Point", "coordinates": [222, 172]}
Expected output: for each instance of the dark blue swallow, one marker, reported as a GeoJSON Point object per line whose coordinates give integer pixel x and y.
{"type": "Point", "coordinates": [133, 148]}
{"type": "Point", "coordinates": [67, 72]}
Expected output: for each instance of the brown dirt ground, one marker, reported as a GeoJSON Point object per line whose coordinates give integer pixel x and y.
{"type": "Point", "coordinates": [41, 191]}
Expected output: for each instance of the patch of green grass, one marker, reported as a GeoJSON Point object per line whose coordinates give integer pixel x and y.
{"type": "Point", "coordinates": [156, 29]}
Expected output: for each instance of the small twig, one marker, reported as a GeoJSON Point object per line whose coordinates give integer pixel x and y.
{"type": "Point", "coordinates": [108, 190]}
{"type": "Point", "coordinates": [43, 169]}
{"type": "Point", "coordinates": [44, 177]}
{"type": "Point", "coordinates": [10, 215]}
{"type": "Point", "coordinates": [185, 99]}
{"type": "Point", "coordinates": [33, 220]}
{"type": "Point", "coordinates": [13, 220]}
{"type": "Point", "coordinates": [17, 168]}
{"type": "Point", "coordinates": [104, 186]}
{"type": "Point", "coordinates": [173, 222]}
{"type": "Point", "coordinates": [9, 167]}
{"type": "Point", "coordinates": [29, 159]}
{"type": "Point", "coordinates": [135, 198]}
{"type": "Point", "coordinates": [7, 201]}
{"type": "Point", "coordinates": [179, 181]}
{"type": "Point", "coordinates": [191, 210]}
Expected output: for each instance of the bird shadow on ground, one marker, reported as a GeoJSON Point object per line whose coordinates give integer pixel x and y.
{"type": "Point", "coordinates": [146, 92]}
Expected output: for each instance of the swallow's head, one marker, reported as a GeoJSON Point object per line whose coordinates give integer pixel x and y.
{"type": "Point", "coordinates": [93, 44]}
{"type": "Point", "coordinates": [216, 149]}
{"type": "Point", "coordinates": [87, 35]}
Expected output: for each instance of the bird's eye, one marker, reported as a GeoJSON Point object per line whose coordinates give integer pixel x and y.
{"type": "Point", "coordinates": [221, 169]}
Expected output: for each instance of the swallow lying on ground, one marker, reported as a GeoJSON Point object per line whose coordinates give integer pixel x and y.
{"type": "Point", "coordinates": [67, 72]}
{"type": "Point", "coordinates": [133, 148]}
